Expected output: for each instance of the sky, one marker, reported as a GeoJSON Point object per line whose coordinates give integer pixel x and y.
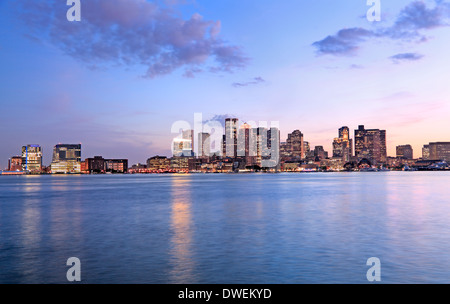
{"type": "Point", "coordinates": [119, 79]}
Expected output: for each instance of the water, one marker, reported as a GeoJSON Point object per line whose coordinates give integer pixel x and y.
{"type": "Point", "coordinates": [213, 228]}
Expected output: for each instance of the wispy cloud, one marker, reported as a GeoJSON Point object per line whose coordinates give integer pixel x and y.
{"type": "Point", "coordinates": [409, 26]}
{"type": "Point", "coordinates": [254, 81]}
{"type": "Point", "coordinates": [345, 42]}
{"type": "Point", "coordinates": [134, 32]}
{"type": "Point", "coordinates": [220, 118]}
{"type": "Point", "coordinates": [406, 57]}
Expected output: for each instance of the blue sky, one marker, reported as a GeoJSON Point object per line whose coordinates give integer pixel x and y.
{"type": "Point", "coordinates": [119, 79]}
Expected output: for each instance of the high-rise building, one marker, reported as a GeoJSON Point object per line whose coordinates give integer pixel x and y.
{"type": "Point", "coordinates": [32, 158]}
{"type": "Point", "coordinates": [264, 147]}
{"type": "Point", "coordinates": [184, 145]}
{"type": "Point", "coordinates": [440, 151]}
{"type": "Point", "coordinates": [204, 143]}
{"type": "Point", "coordinates": [66, 158]}
{"type": "Point", "coordinates": [224, 145]}
{"type": "Point", "coordinates": [405, 151]}
{"type": "Point", "coordinates": [231, 130]}
{"type": "Point", "coordinates": [306, 149]}
{"type": "Point", "coordinates": [295, 144]}
{"type": "Point", "coordinates": [370, 144]}
{"type": "Point", "coordinates": [272, 159]}
{"type": "Point", "coordinates": [320, 153]}
{"type": "Point", "coordinates": [342, 146]}
{"type": "Point", "coordinates": [15, 163]}
{"type": "Point", "coordinates": [284, 152]}
{"type": "Point", "coordinates": [426, 152]}
{"type": "Point", "coordinates": [243, 149]}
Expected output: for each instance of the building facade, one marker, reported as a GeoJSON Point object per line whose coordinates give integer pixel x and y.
{"type": "Point", "coordinates": [66, 159]}
{"type": "Point", "coordinates": [440, 151]}
{"type": "Point", "coordinates": [184, 144]}
{"type": "Point", "coordinates": [204, 143]}
{"type": "Point", "coordinates": [158, 163]}
{"type": "Point", "coordinates": [405, 151]}
{"type": "Point", "coordinates": [116, 165]}
{"type": "Point", "coordinates": [295, 144]}
{"type": "Point", "coordinates": [15, 163]}
{"type": "Point", "coordinates": [231, 137]}
{"type": "Point", "coordinates": [370, 144]}
{"type": "Point", "coordinates": [320, 153]}
{"type": "Point", "coordinates": [32, 159]}
{"type": "Point", "coordinates": [93, 165]}
{"type": "Point", "coordinates": [426, 152]}
{"type": "Point", "coordinates": [343, 145]}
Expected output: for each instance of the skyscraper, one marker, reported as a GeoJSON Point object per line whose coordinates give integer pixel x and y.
{"type": "Point", "coordinates": [231, 129]}
{"type": "Point", "coordinates": [404, 151]}
{"type": "Point", "coordinates": [272, 158]}
{"type": "Point", "coordinates": [204, 143]}
{"type": "Point", "coordinates": [320, 153]}
{"type": "Point", "coordinates": [370, 144]}
{"type": "Point", "coordinates": [264, 147]}
{"type": "Point", "coordinates": [66, 158]}
{"type": "Point", "coordinates": [440, 151]}
{"type": "Point", "coordinates": [306, 149]}
{"type": "Point", "coordinates": [426, 152]}
{"type": "Point", "coordinates": [184, 144]}
{"type": "Point", "coordinates": [342, 146]}
{"type": "Point", "coordinates": [32, 158]}
{"type": "Point", "coordinates": [243, 149]}
{"type": "Point", "coordinates": [295, 144]}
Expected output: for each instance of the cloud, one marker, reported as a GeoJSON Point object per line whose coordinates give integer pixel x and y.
{"type": "Point", "coordinates": [345, 42]}
{"type": "Point", "coordinates": [134, 33]}
{"type": "Point", "coordinates": [408, 26]}
{"type": "Point", "coordinates": [220, 118]}
{"type": "Point", "coordinates": [356, 67]}
{"type": "Point", "coordinates": [406, 57]}
{"type": "Point", "coordinates": [254, 81]}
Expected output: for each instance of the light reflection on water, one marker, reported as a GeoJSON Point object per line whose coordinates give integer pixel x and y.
{"type": "Point", "coordinates": [255, 228]}
{"type": "Point", "coordinates": [181, 223]}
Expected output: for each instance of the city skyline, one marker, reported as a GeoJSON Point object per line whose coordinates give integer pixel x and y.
{"type": "Point", "coordinates": [326, 66]}
{"type": "Point", "coordinates": [252, 143]}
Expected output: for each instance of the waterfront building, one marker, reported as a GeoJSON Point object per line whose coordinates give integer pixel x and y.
{"type": "Point", "coordinates": [66, 158]}
{"type": "Point", "coordinates": [295, 144]}
{"type": "Point", "coordinates": [15, 163]}
{"type": "Point", "coordinates": [116, 165]}
{"type": "Point", "coordinates": [245, 149]}
{"type": "Point", "coordinates": [284, 152]}
{"type": "Point", "coordinates": [32, 159]}
{"type": "Point", "coordinates": [180, 163]}
{"type": "Point", "coordinates": [404, 151]}
{"type": "Point", "coordinates": [306, 149]}
{"type": "Point", "coordinates": [184, 144]}
{"type": "Point", "coordinates": [343, 145]}
{"type": "Point", "coordinates": [157, 163]}
{"type": "Point", "coordinates": [231, 133]}
{"type": "Point", "coordinates": [426, 152]}
{"type": "Point", "coordinates": [320, 153]}
{"type": "Point", "coordinates": [440, 151]}
{"type": "Point", "coordinates": [370, 144]}
{"type": "Point", "coordinates": [204, 142]}
{"type": "Point", "coordinates": [93, 165]}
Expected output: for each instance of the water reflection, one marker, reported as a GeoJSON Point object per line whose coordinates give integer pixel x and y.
{"type": "Point", "coordinates": [181, 225]}
{"type": "Point", "coordinates": [65, 211]}
{"type": "Point", "coordinates": [31, 227]}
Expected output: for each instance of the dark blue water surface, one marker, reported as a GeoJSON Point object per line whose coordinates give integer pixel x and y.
{"type": "Point", "coordinates": [214, 228]}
